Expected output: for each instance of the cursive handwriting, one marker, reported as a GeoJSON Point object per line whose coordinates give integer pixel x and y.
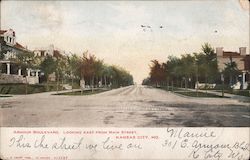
{"type": "Point", "coordinates": [19, 142]}
{"type": "Point", "coordinates": [65, 146]}
{"type": "Point", "coordinates": [216, 151]}
{"type": "Point", "coordinates": [196, 144]}
{"type": "Point", "coordinates": [109, 145]}
{"type": "Point", "coordinates": [40, 143]}
{"type": "Point", "coordinates": [202, 145]}
{"type": "Point", "coordinates": [181, 133]}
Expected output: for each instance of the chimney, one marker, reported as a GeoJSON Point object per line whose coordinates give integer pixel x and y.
{"type": "Point", "coordinates": [243, 51]}
{"type": "Point", "coordinates": [219, 51]}
{"type": "Point", "coordinates": [51, 47]}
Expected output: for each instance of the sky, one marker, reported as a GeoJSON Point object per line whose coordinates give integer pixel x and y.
{"type": "Point", "coordinates": [112, 29]}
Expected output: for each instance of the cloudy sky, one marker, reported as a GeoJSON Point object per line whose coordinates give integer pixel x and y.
{"type": "Point", "coordinates": [113, 32]}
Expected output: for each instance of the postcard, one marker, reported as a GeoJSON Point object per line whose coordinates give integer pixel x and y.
{"type": "Point", "coordinates": [165, 80]}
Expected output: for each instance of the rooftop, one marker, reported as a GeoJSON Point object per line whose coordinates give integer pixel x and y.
{"type": "Point", "coordinates": [17, 45]}
{"type": "Point", "coordinates": [2, 31]}
{"type": "Point", "coordinates": [231, 54]}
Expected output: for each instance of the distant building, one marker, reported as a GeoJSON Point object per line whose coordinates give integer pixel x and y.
{"type": "Point", "coordinates": [223, 57]}
{"type": "Point", "coordinates": [240, 58]}
{"type": "Point", "coordinates": [10, 72]}
{"type": "Point", "coordinates": [49, 51]}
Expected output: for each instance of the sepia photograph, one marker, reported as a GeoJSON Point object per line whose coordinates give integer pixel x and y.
{"type": "Point", "coordinates": [125, 64]}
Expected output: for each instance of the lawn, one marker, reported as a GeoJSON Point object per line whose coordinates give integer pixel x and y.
{"type": "Point", "coordinates": [239, 92]}
{"type": "Point", "coordinates": [3, 96]}
{"type": "Point", "coordinates": [86, 92]}
{"type": "Point", "coordinates": [23, 88]}
{"type": "Point", "coordinates": [170, 88]}
{"type": "Point", "coordinates": [198, 94]}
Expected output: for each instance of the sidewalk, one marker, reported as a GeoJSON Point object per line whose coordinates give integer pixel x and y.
{"type": "Point", "coordinates": [48, 93]}
{"type": "Point", "coordinates": [41, 93]}
{"type": "Point", "coordinates": [233, 96]}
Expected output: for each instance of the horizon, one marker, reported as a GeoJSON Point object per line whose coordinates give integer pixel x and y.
{"type": "Point", "coordinates": [115, 34]}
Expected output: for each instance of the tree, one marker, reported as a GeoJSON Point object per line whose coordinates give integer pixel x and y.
{"type": "Point", "coordinates": [88, 67]}
{"type": "Point", "coordinates": [74, 63]}
{"type": "Point", "coordinates": [157, 72]}
{"type": "Point", "coordinates": [231, 70]}
{"type": "Point", "coordinates": [61, 69]}
{"type": "Point", "coordinates": [187, 68]}
{"type": "Point", "coordinates": [4, 51]}
{"type": "Point", "coordinates": [27, 60]}
{"type": "Point", "coordinates": [2, 54]}
{"type": "Point", "coordinates": [107, 74]}
{"type": "Point", "coordinates": [98, 70]}
{"type": "Point", "coordinates": [120, 77]}
{"type": "Point", "coordinates": [146, 81]}
{"type": "Point", "coordinates": [48, 66]}
{"type": "Point", "coordinates": [209, 63]}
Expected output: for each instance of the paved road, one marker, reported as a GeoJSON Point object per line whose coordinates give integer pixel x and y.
{"type": "Point", "coordinates": [133, 106]}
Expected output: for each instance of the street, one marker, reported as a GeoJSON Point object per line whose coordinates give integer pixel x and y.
{"type": "Point", "coordinates": [132, 106]}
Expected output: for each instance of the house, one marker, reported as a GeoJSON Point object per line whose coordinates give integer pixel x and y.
{"type": "Point", "coordinates": [49, 51]}
{"type": "Point", "coordinates": [240, 58]}
{"type": "Point", "coordinates": [10, 72]}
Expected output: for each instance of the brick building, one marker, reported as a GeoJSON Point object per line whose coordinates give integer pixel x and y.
{"type": "Point", "coordinates": [240, 58]}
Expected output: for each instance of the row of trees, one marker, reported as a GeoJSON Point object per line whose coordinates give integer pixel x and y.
{"type": "Point", "coordinates": [75, 68]}
{"type": "Point", "coordinates": [93, 71]}
{"type": "Point", "coordinates": [188, 69]}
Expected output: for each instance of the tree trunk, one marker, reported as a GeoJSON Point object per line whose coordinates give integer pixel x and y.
{"type": "Point", "coordinates": [206, 84]}
{"type": "Point", "coordinates": [72, 82]}
{"type": "Point", "coordinates": [26, 86]}
{"type": "Point", "coordinates": [47, 84]}
{"type": "Point", "coordinates": [105, 81]}
{"type": "Point", "coordinates": [97, 81]}
{"type": "Point", "coordinates": [57, 84]}
{"type": "Point", "coordinates": [172, 85]}
{"type": "Point", "coordinates": [185, 84]}
{"type": "Point", "coordinates": [62, 84]}
{"type": "Point", "coordinates": [168, 84]}
{"type": "Point", "coordinates": [101, 81]}
{"type": "Point", "coordinates": [92, 85]}
{"type": "Point", "coordinates": [230, 80]}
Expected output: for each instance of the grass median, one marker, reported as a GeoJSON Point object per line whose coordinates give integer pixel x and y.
{"type": "Point", "coordinates": [199, 94]}
{"type": "Point", "coordinates": [3, 96]}
{"type": "Point", "coordinates": [245, 93]}
{"type": "Point", "coordinates": [189, 93]}
{"type": "Point", "coordinates": [83, 93]}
